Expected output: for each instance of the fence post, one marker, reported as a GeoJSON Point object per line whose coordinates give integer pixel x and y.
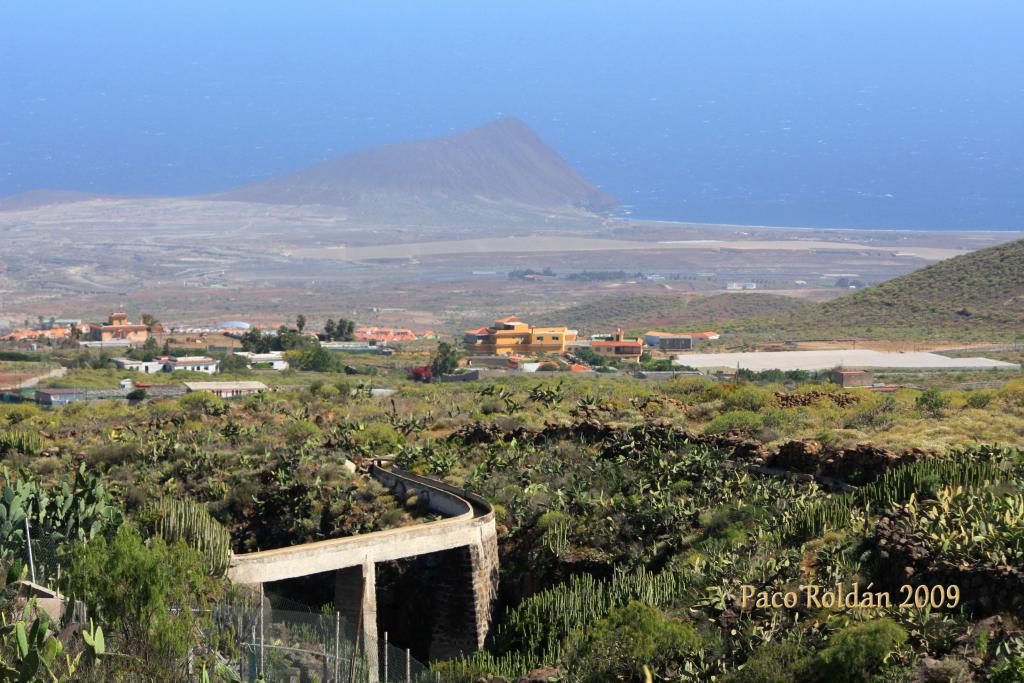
{"type": "Point", "coordinates": [241, 639]}
{"type": "Point", "coordinates": [253, 664]}
{"type": "Point", "coordinates": [408, 666]}
{"type": "Point", "coordinates": [261, 629]}
{"type": "Point", "coordinates": [28, 542]}
{"type": "Point", "coordinates": [337, 646]}
{"type": "Point", "coordinates": [386, 679]}
{"type": "Point", "coordinates": [359, 628]}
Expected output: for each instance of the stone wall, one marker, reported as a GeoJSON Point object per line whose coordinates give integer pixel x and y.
{"type": "Point", "coordinates": [903, 558]}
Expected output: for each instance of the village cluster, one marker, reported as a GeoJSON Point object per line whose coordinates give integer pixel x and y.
{"type": "Point", "coordinates": [508, 345]}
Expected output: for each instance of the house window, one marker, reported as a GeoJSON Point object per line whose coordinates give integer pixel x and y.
{"type": "Point", "coordinates": [555, 338]}
{"type": "Point", "coordinates": [540, 338]}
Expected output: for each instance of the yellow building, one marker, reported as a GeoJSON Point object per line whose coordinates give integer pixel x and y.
{"type": "Point", "coordinates": [512, 336]}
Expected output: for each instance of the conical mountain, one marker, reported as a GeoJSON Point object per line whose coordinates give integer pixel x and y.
{"type": "Point", "coordinates": [503, 163]}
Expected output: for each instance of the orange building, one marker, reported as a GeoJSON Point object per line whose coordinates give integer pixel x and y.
{"type": "Point", "coordinates": [384, 334]}
{"type": "Point", "coordinates": [119, 329]}
{"type": "Point", "coordinates": [618, 347]}
{"type": "Point", "coordinates": [511, 335]}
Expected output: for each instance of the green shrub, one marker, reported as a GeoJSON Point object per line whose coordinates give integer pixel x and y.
{"type": "Point", "coordinates": [880, 413]}
{"type": "Point", "coordinates": [394, 517]}
{"type": "Point", "coordinates": [552, 518]}
{"type": "Point", "coordinates": [313, 358]}
{"type": "Point", "coordinates": [946, 670]}
{"type": "Point", "coordinates": [748, 398]}
{"type": "Point", "coordinates": [629, 638]}
{"type": "Point", "coordinates": [858, 651]}
{"type": "Point", "coordinates": [979, 399]}
{"type": "Point", "coordinates": [144, 593]}
{"type": "Point", "coordinates": [14, 414]}
{"type": "Point", "coordinates": [203, 402]}
{"type": "Point", "coordinates": [742, 421]}
{"type": "Point", "coordinates": [299, 431]}
{"type": "Point", "coordinates": [774, 663]}
{"type": "Point", "coordinates": [932, 401]}
{"type": "Point", "coordinates": [491, 406]}
{"type": "Point", "coordinates": [692, 389]}
{"type": "Point", "coordinates": [379, 438]}
{"type": "Point", "coordinates": [1012, 394]}
{"type": "Point", "coordinates": [1009, 670]}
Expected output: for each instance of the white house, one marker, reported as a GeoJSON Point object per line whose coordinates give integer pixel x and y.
{"type": "Point", "coordinates": [191, 363]}
{"type": "Point", "coordinates": [146, 367]}
{"type": "Point", "coordinates": [227, 389]}
{"type": "Point", "coordinates": [275, 359]}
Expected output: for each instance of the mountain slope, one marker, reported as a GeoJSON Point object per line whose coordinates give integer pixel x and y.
{"type": "Point", "coordinates": [973, 296]}
{"type": "Point", "coordinates": [35, 199]}
{"type": "Point", "coordinates": [502, 163]}
{"type": "Point", "coordinates": [641, 312]}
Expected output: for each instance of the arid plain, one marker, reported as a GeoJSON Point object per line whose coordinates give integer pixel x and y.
{"type": "Point", "coordinates": [199, 260]}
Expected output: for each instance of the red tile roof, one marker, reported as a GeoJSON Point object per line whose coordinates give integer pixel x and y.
{"type": "Point", "coordinates": [635, 342]}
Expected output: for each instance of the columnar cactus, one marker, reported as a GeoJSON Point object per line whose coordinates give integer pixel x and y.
{"type": "Point", "coordinates": [185, 520]}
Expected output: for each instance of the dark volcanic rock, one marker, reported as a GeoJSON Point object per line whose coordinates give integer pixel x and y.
{"type": "Point", "coordinates": [903, 557]}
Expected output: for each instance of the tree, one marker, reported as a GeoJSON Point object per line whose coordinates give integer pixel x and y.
{"type": "Point", "coordinates": [345, 330]}
{"type": "Point", "coordinates": [446, 360]}
{"type": "Point", "coordinates": [300, 322]}
{"type": "Point", "coordinates": [149, 321]}
{"type": "Point", "coordinates": [136, 395]}
{"type": "Point", "coordinates": [330, 329]}
{"type": "Point", "coordinates": [255, 341]}
{"type": "Point", "coordinates": [230, 362]}
{"type": "Point", "coordinates": [594, 359]}
{"type": "Point", "coordinates": [144, 592]}
{"type": "Point", "coordinates": [312, 358]}
{"type": "Point", "coordinates": [149, 349]}
{"type": "Point", "coordinates": [288, 339]}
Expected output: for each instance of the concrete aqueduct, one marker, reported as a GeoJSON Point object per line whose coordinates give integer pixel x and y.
{"type": "Point", "coordinates": [469, 568]}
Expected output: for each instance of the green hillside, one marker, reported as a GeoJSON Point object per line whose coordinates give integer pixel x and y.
{"type": "Point", "coordinates": [663, 311]}
{"type": "Point", "coordinates": [979, 295]}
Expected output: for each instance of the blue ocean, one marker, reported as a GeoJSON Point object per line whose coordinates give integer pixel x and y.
{"type": "Point", "coordinates": [865, 114]}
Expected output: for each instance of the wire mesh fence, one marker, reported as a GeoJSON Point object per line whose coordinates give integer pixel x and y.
{"type": "Point", "coordinates": [269, 643]}
{"type": "Point", "coordinates": [300, 647]}
{"type": "Point", "coordinates": [40, 557]}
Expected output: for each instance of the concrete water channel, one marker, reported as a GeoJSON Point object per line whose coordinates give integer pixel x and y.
{"type": "Point", "coordinates": [465, 541]}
